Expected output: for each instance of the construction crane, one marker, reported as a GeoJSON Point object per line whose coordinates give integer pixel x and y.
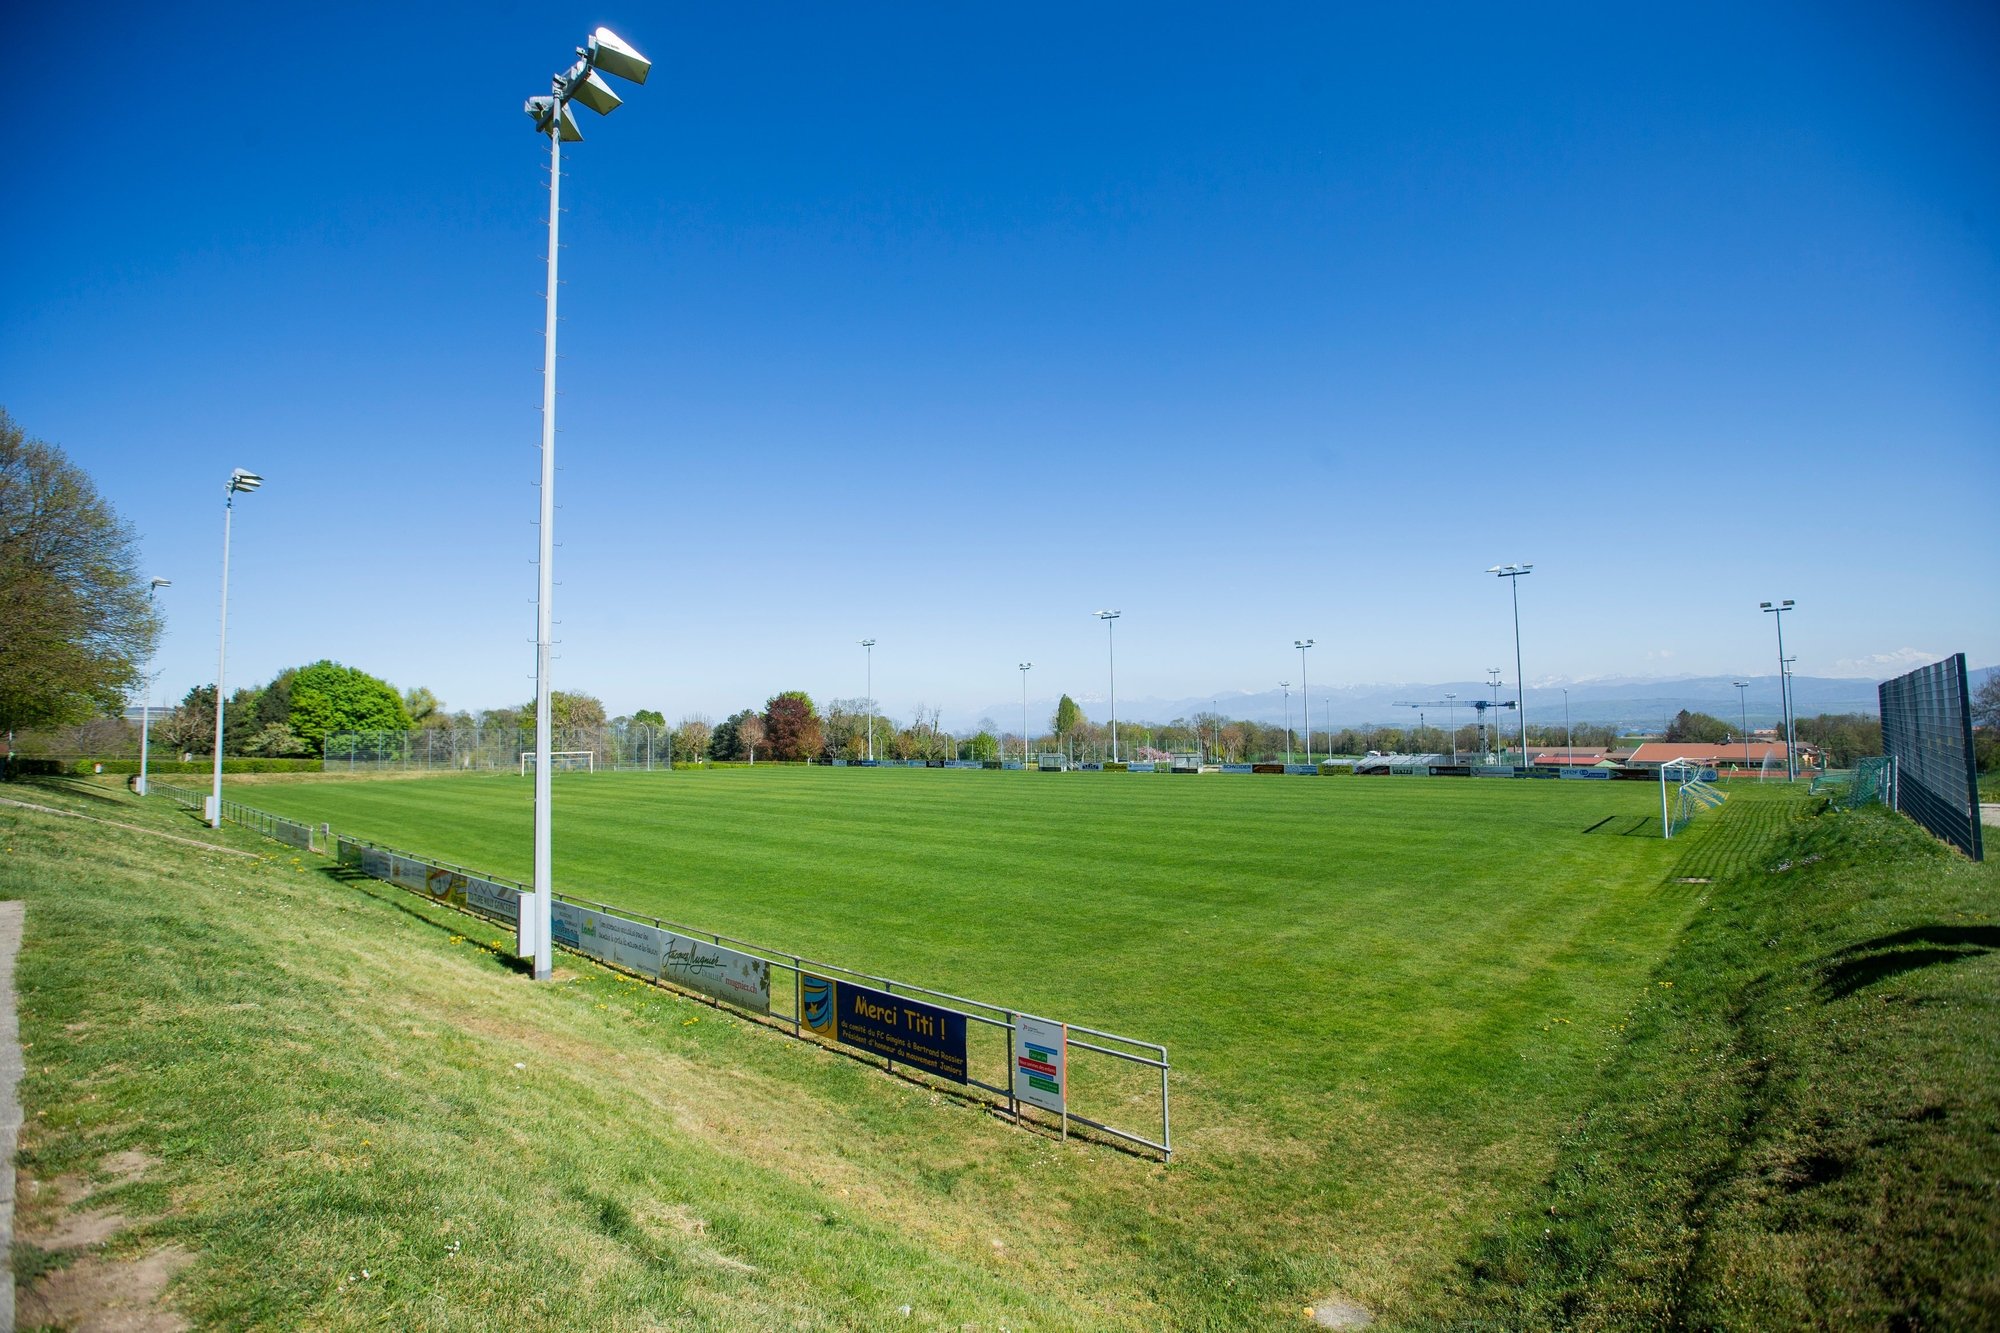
{"type": "Point", "coordinates": [1478, 706]}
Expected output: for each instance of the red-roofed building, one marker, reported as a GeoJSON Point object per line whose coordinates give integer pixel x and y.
{"type": "Point", "coordinates": [1570, 759]}
{"type": "Point", "coordinates": [1735, 757]}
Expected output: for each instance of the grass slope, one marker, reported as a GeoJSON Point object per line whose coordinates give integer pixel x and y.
{"type": "Point", "coordinates": [1803, 1129]}
{"type": "Point", "coordinates": [363, 1119]}
{"type": "Point", "coordinates": [1385, 999]}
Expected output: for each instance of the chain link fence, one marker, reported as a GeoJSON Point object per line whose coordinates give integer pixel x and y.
{"type": "Point", "coordinates": [473, 747]}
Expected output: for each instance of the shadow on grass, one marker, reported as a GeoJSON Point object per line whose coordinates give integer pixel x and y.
{"type": "Point", "coordinates": [409, 904]}
{"type": "Point", "coordinates": [402, 900]}
{"type": "Point", "coordinates": [74, 787]}
{"type": "Point", "coordinates": [1862, 965]}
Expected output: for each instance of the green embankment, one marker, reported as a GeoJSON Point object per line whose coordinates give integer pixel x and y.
{"type": "Point", "coordinates": [1802, 1129]}
{"type": "Point", "coordinates": [1778, 1109]}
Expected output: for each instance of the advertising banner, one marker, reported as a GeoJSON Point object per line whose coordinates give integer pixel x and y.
{"type": "Point", "coordinates": [741, 979]}
{"type": "Point", "coordinates": [907, 1031]}
{"type": "Point", "coordinates": [1041, 1064]}
{"type": "Point", "coordinates": [612, 938]}
{"type": "Point", "coordinates": [494, 900]}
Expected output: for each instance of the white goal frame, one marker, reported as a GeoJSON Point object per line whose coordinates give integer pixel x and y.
{"type": "Point", "coordinates": [589, 758]}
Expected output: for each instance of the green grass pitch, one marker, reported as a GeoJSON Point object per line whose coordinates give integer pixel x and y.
{"type": "Point", "coordinates": [1384, 998]}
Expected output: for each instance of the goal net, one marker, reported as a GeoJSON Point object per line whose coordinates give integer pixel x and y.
{"type": "Point", "coordinates": [1685, 792]}
{"type": "Point", "coordinates": [562, 761]}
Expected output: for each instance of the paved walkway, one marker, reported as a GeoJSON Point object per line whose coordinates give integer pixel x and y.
{"type": "Point", "coordinates": [1989, 813]}
{"type": "Point", "coordinates": [11, 916]}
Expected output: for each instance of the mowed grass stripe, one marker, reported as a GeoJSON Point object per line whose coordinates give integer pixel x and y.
{"type": "Point", "coordinates": [1385, 998]}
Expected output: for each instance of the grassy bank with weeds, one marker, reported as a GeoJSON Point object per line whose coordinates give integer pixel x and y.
{"type": "Point", "coordinates": [1803, 1128]}
{"type": "Point", "coordinates": [290, 1101]}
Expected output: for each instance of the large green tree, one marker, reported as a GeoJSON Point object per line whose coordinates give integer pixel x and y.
{"type": "Point", "coordinates": [1699, 728]}
{"type": "Point", "coordinates": [328, 699]}
{"type": "Point", "coordinates": [76, 626]}
{"type": "Point", "coordinates": [1068, 717]}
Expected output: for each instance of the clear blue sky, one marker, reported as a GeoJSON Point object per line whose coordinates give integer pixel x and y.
{"type": "Point", "coordinates": [950, 326]}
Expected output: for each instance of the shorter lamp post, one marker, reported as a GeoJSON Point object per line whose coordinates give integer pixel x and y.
{"type": "Point", "coordinates": [868, 647]}
{"type": "Point", "coordinates": [1111, 650]}
{"type": "Point", "coordinates": [1743, 716]}
{"type": "Point", "coordinates": [239, 480]}
{"type": "Point", "coordinates": [146, 700]}
{"type": "Point", "coordinates": [1778, 609]}
{"type": "Point", "coordinates": [1286, 686]}
{"type": "Point", "coordinates": [1025, 668]}
{"type": "Point", "coordinates": [1513, 573]}
{"type": "Point", "coordinates": [1305, 696]}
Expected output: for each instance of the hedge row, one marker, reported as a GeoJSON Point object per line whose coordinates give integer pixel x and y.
{"type": "Point", "coordinates": [22, 767]}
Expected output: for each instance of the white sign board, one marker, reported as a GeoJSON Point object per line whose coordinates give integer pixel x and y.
{"type": "Point", "coordinates": [735, 978]}
{"type": "Point", "coordinates": [612, 938]}
{"type": "Point", "coordinates": [1041, 1065]}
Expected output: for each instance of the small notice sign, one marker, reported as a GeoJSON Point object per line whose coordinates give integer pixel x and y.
{"type": "Point", "coordinates": [1041, 1066]}
{"type": "Point", "coordinates": [907, 1031]}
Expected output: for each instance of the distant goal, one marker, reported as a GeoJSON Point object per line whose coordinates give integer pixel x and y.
{"type": "Point", "coordinates": [562, 761]}
{"type": "Point", "coordinates": [1685, 791]}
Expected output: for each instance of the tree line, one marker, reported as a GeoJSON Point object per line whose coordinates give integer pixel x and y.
{"type": "Point", "coordinates": [77, 625]}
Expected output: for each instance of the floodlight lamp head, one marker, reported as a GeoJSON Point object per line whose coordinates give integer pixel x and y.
{"type": "Point", "coordinates": [241, 480]}
{"type": "Point", "coordinates": [583, 85]}
{"type": "Point", "coordinates": [607, 51]}
{"type": "Point", "coordinates": [163, 583]}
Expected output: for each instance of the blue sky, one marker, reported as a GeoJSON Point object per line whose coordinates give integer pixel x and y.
{"type": "Point", "coordinates": [949, 327]}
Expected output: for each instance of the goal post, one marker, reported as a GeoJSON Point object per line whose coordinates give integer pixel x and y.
{"type": "Point", "coordinates": [562, 761]}
{"type": "Point", "coordinates": [1684, 790]}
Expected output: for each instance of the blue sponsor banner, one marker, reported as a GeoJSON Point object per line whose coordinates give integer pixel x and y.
{"type": "Point", "coordinates": [1307, 770]}
{"type": "Point", "coordinates": [1143, 766]}
{"type": "Point", "coordinates": [895, 1027]}
{"type": "Point", "coordinates": [1239, 768]}
{"type": "Point", "coordinates": [1588, 774]}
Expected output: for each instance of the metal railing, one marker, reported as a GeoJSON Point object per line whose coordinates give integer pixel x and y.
{"type": "Point", "coordinates": [1102, 1075]}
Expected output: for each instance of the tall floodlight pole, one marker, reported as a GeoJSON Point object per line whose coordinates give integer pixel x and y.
{"type": "Point", "coordinates": [1778, 609]}
{"type": "Point", "coordinates": [239, 480]}
{"type": "Point", "coordinates": [1743, 712]}
{"type": "Point", "coordinates": [603, 50]}
{"type": "Point", "coordinates": [868, 653]}
{"type": "Point", "coordinates": [1286, 686]}
{"type": "Point", "coordinates": [1112, 649]}
{"type": "Point", "coordinates": [1513, 573]}
{"type": "Point", "coordinates": [1305, 696]}
{"type": "Point", "coordinates": [1451, 713]}
{"type": "Point", "coordinates": [1026, 667]}
{"type": "Point", "coordinates": [146, 698]}
{"type": "Point", "coordinates": [1569, 738]}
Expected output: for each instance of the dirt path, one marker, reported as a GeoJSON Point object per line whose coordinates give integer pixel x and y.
{"type": "Point", "coordinates": [129, 828]}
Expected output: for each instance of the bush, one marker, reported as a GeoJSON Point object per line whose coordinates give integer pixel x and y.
{"type": "Point", "coordinates": [18, 767]}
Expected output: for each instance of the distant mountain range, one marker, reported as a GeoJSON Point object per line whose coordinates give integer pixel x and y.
{"type": "Point", "coordinates": [1633, 703]}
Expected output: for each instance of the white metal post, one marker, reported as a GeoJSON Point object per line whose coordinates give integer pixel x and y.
{"type": "Point", "coordinates": [1305, 696]}
{"type": "Point", "coordinates": [1111, 649]}
{"type": "Point", "coordinates": [1025, 668]}
{"type": "Point", "coordinates": [1286, 686]}
{"type": "Point", "coordinates": [221, 656]}
{"type": "Point", "coordinates": [1520, 686]}
{"type": "Point", "coordinates": [868, 648]}
{"type": "Point", "coordinates": [1108, 617]}
{"type": "Point", "coordinates": [542, 941]}
{"type": "Point", "coordinates": [146, 697]}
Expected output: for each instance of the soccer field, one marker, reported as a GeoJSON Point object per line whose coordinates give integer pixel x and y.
{"type": "Point", "coordinates": [1383, 997]}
